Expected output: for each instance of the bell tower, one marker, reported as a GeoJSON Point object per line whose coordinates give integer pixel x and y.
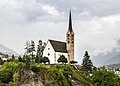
{"type": "Point", "coordinates": [70, 40]}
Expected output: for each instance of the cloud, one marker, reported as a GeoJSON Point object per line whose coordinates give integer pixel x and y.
{"type": "Point", "coordinates": [51, 10]}
{"type": "Point", "coordinates": [43, 10]}
{"type": "Point", "coordinates": [97, 35]}
{"type": "Point", "coordinates": [96, 7]}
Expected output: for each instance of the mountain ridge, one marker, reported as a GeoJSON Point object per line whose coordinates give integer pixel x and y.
{"type": "Point", "coordinates": [109, 58]}
{"type": "Point", "coordinates": [6, 50]}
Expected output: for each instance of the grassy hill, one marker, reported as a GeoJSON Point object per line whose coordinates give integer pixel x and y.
{"type": "Point", "coordinates": [21, 74]}
{"type": "Point", "coordinates": [35, 74]}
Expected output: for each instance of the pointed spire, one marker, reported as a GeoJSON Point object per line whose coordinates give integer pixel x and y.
{"type": "Point", "coordinates": [70, 22]}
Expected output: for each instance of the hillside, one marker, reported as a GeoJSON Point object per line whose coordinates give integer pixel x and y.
{"type": "Point", "coordinates": [20, 74]}
{"type": "Point", "coordinates": [6, 50]}
{"type": "Point", "coordinates": [35, 74]}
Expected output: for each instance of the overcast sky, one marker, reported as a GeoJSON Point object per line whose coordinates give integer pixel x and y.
{"type": "Point", "coordinates": [96, 23]}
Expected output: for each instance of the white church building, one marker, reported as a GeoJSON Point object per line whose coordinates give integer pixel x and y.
{"type": "Point", "coordinates": [54, 48]}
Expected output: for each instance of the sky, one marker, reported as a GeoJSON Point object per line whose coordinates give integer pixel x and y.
{"type": "Point", "coordinates": [96, 23]}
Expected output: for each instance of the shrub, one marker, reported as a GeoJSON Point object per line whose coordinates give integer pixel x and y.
{"type": "Point", "coordinates": [35, 69]}
{"type": "Point", "coordinates": [45, 60]}
{"type": "Point", "coordinates": [62, 59]}
{"type": "Point", "coordinates": [7, 71]}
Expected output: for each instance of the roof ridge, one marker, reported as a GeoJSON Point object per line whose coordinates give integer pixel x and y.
{"type": "Point", "coordinates": [56, 40]}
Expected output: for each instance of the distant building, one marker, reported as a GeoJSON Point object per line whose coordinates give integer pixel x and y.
{"type": "Point", "coordinates": [55, 48]}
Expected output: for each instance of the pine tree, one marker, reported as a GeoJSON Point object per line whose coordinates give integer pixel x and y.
{"type": "Point", "coordinates": [87, 63]}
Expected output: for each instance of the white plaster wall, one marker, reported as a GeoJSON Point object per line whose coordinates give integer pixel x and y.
{"type": "Point", "coordinates": [50, 51]}
{"type": "Point", "coordinates": [60, 53]}
{"type": "Point", "coordinates": [53, 57]}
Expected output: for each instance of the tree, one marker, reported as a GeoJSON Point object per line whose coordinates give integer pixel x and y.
{"type": "Point", "coordinates": [38, 59]}
{"type": "Point", "coordinates": [87, 63]}
{"type": "Point", "coordinates": [27, 47]}
{"type": "Point", "coordinates": [20, 59]}
{"type": "Point", "coordinates": [39, 49]}
{"type": "Point", "coordinates": [24, 58]}
{"type": "Point", "coordinates": [62, 59]}
{"type": "Point", "coordinates": [13, 58]}
{"type": "Point", "coordinates": [1, 61]}
{"type": "Point", "coordinates": [39, 54]}
{"type": "Point", "coordinates": [45, 60]}
{"type": "Point", "coordinates": [32, 49]}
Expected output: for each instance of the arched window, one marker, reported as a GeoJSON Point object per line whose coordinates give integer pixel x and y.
{"type": "Point", "coordinates": [68, 42]}
{"type": "Point", "coordinates": [68, 35]}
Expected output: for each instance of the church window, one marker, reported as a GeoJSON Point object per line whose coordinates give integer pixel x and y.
{"type": "Point", "coordinates": [48, 54]}
{"type": "Point", "coordinates": [72, 41]}
{"type": "Point", "coordinates": [68, 35]}
{"type": "Point", "coordinates": [72, 35]}
{"type": "Point", "coordinates": [68, 41]}
{"type": "Point", "coordinates": [48, 48]}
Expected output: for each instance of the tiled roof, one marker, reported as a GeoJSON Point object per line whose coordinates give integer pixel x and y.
{"type": "Point", "coordinates": [58, 46]}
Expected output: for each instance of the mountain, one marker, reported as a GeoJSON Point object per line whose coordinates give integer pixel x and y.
{"type": "Point", "coordinates": [112, 57]}
{"type": "Point", "coordinates": [113, 66]}
{"type": "Point", "coordinates": [113, 60]}
{"type": "Point", "coordinates": [6, 50]}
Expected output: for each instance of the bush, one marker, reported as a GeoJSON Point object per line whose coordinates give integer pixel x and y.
{"type": "Point", "coordinates": [58, 75]}
{"type": "Point", "coordinates": [7, 71]}
{"type": "Point", "coordinates": [62, 59]}
{"type": "Point", "coordinates": [45, 60]}
{"type": "Point", "coordinates": [20, 59]}
{"type": "Point", "coordinates": [35, 69]}
{"type": "Point", "coordinates": [102, 77]}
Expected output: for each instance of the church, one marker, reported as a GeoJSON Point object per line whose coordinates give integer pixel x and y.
{"type": "Point", "coordinates": [55, 48]}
